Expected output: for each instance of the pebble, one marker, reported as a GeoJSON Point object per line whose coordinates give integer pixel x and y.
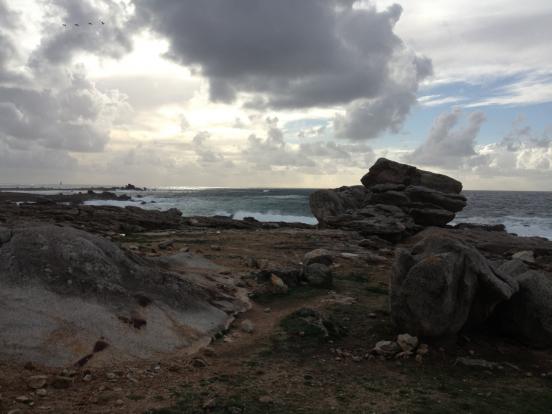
{"type": "Point", "coordinates": [111, 376]}
{"type": "Point", "coordinates": [247, 326]}
{"type": "Point", "coordinates": [199, 363]}
{"type": "Point", "coordinates": [41, 392]}
{"type": "Point", "coordinates": [408, 343]}
{"type": "Point", "coordinates": [37, 381]}
{"type": "Point", "coordinates": [119, 402]}
{"type": "Point", "coordinates": [87, 378]}
{"type": "Point", "coordinates": [278, 284]}
{"type": "Point", "coordinates": [266, 399]}
{"type": "Point", "coordinates": [25, 399]}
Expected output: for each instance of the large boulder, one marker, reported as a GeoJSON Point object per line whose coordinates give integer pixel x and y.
{"type": "Point", "coordinates": [528, 314]}
{"type": "Point", "coordinates": [396, 201]}
{"type": "Point", "coordinates": [325, 204]}
{"type": "Point", "coordinates": [442, 286]}
{"type": "Point", "coordinates": [67, 296]}
{"type": "Point", "coordinates": [385, 171]}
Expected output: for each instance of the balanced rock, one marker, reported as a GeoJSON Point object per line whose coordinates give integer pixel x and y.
{"type": "Point", "coordinates": [396, 201]}
{"type": "Point", "coordinates": [385, 171]}
{"type": "Point", "coordinates": [442, 286]}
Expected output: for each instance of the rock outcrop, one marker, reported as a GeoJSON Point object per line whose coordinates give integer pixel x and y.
{"type": "Point", "coordinates": [67, 296]}
{"type": "Point", "coordinates": [395, 201]}
{"type": "Point", "coordinates": [528, 314]}
{"type": "Point", "coordinates": [442, 286]}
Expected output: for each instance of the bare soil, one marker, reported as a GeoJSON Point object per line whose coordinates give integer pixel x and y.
{"type": "Point", "coordinates": [272, 371]}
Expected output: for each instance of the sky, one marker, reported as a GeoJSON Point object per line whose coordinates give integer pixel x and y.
{"type": "Point", "coordinates": [264, 93]}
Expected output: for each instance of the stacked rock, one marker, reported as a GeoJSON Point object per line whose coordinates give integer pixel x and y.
{"type": "Point", "coordinates": [395, 201]}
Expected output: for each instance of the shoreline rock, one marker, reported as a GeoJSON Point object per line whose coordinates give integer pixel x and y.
{"type": "Point", "coordinates": [395, 202]}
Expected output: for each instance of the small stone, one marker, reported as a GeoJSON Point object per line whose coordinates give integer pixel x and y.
{"type": "Point", "coordinates": [87, 378]}
{"type": "Point", "coordinates": [166, 244]}
{"type": "Point", "coordinates": [387, 348]}
{"type": "Point", "coordinates": [267, 310]}
{"type": "Point", "coordinates": [132, 379]}
{"type": "Point", "coordinates": [16, 411]}
{"type": "Point", "coordinates": [477, 363]}
{"type": "Point", "coordinates": [41, 392]}
{"type": "Point", "coordinates": [199, 363]}
{"type": "Point", "coordinates": [68, 373]}
{"type": "Point", "coordinates": [24, 399]}
{"type": "Point", "coordinates": [247, 326]}
{"type": "Point", "coordinates": [408, 343]}
{"type": "Point", "coordinates": [526, 255]}
{"type": "Point", "coordinates": [37, 381]}
{"type": "Point", "coordinates": [419, 358]}
{"type": "Point", "coordinates": [119, 402]}
{"type": "Point", "coordinates": [351, 256]}
{"type": "Point", "coordinates": [423, 349]}
{"type": "Point", "coordinates": [372, 315]}
{"type": "Point", "coordinates": [111, 376]}
{"type": "Point", "coordinates": [266, 399]}
{"type": "Point", "coordinates": [61, 382]}
{"type": "Point", "coordinates": [278, 284]}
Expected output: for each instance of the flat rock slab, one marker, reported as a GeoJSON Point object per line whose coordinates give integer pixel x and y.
{"type": "Point", "coordinates": [69, 297]}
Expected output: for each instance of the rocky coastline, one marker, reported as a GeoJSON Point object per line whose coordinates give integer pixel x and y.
{"type": "Point", "coordinates": [108, 309]}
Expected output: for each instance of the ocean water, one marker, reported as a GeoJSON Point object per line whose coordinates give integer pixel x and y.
{"type": "Point", "coordinates": [523, 213]}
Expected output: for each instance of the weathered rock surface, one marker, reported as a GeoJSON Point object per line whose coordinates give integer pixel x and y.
{"type": "Point", "coordinates": [396, 201]}
{"type": "Point", "coordinates": [443, 285]}
{"type": "Point", "coordinates": [528, 314]}
{"type": "Point", "coordinates": [67, 296]}
{"type": "Point", "coordinates": [318, 275]}
{"type": "Point", "coordinates": [385, 171]}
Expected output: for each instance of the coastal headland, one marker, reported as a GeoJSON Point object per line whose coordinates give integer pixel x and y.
{"type": "Point", "coordinates": [382, 307]}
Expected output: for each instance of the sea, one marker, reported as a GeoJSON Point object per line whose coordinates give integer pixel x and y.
{"type": "Point", "coordinates": [523, 213]}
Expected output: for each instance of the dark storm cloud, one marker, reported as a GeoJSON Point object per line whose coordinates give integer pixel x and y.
{"type": "Point", "coordinates": [295, 54]}
{"type": "Point", "coordinates": [47, 106]}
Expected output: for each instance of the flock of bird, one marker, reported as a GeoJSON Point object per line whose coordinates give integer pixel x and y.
{"type": "Point", "coordinates": [78, 25]}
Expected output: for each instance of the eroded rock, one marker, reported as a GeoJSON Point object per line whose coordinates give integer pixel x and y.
{"type": "Point", "coordinates": [442, 286]}
{"type": "Point", "coordinates": [64, 290]}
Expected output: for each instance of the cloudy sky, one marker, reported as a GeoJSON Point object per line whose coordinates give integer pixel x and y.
{"type": "Point", "coordinates": [280, 93]}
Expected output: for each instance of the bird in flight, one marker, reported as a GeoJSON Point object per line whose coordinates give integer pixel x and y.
{"type": "Point", "coordinates": [76, 24]}
{"type": "Point", "coordinates": [90, 23]}
{"type": "Point", "coordinates": [102, 22]}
